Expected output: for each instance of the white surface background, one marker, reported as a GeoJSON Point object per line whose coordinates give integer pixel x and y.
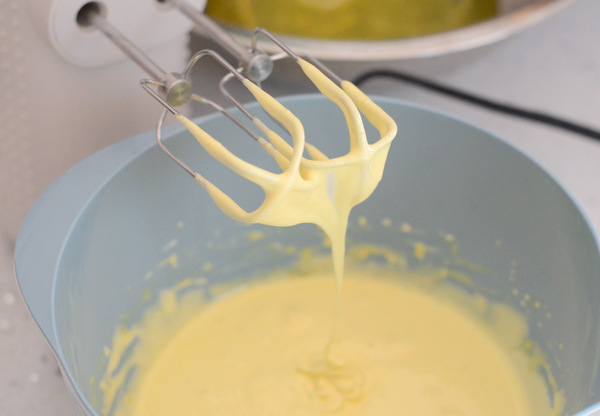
{"type": "Point", "coordinates": [552, 67]}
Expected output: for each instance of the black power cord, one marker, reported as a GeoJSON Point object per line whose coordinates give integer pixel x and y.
{"type": "Point", "coordinates": [480, 101]}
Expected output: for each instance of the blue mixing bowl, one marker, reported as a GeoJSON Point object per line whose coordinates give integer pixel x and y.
{"type": "Point", "coordinates": [85, 250]}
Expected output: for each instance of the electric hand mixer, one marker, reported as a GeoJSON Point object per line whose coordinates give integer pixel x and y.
{"type": "Point", "coordinates": [307, 187]}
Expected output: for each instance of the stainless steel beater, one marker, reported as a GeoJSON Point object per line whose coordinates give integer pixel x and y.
{"type": "Point", "coordinates": [302, 180]}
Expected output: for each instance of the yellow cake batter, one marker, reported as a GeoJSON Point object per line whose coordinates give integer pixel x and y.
{"type": "Point", "coordinates": [398, 350]}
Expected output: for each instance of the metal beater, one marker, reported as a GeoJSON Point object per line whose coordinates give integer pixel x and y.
{"type": "Point", "coordinates": [301, 176]}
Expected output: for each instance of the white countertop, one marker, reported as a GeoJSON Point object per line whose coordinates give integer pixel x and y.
{"type": "Point", "coordinates": [552, 67]}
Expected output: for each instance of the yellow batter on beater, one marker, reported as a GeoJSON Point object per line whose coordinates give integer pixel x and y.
{"type": "Point", "coordinates": [319, 190]}
{"type": "Point", "coordinates": [263, 351]}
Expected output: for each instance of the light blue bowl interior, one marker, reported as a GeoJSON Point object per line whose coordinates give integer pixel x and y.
{"type": "Point", "coordinates": [88, 247]}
